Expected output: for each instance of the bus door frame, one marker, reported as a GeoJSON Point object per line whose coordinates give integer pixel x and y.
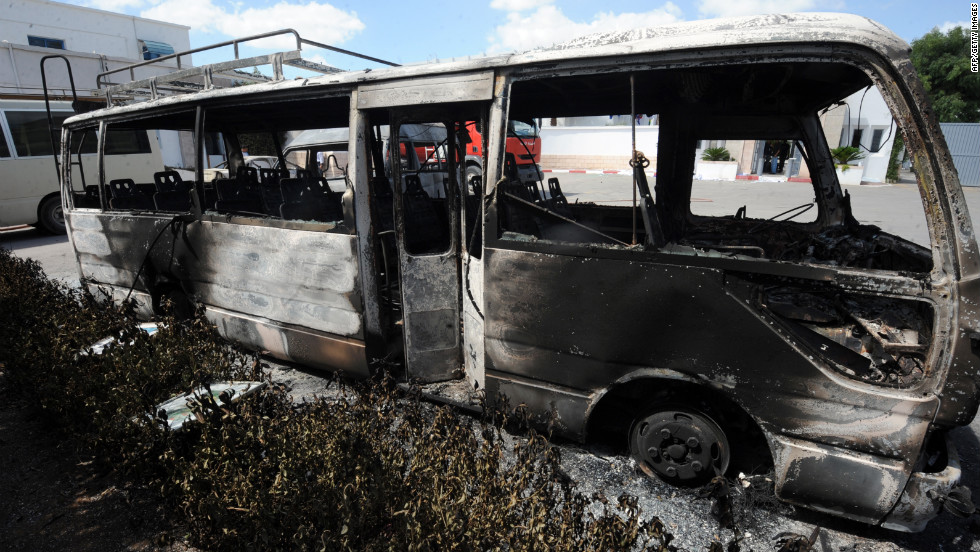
{"type": "Point", "coordinates": [429, 283]}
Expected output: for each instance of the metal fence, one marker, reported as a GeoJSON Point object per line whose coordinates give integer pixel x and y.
{"type": "Point", "coordinates": [964, 145]}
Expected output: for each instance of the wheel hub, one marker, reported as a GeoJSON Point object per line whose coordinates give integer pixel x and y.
{"type": "Point", "coordinates": [680, 445]}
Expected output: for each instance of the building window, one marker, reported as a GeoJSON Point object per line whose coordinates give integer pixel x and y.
{"type": "Point", "coordinates": [151, 49]}
{"type": "Point", "coordinates": [43, 42]}
{"type": "Point", "coordinates": [876, 139]}
{"type": "Point", "coordinates": [856, 139]}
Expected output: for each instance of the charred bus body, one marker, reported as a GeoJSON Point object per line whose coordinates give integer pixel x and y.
{"type": "Point", "coordinates": [840, 353]}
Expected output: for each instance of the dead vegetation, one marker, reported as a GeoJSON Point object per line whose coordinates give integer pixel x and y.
{"type": "Point", "coordinates": [381, 470]}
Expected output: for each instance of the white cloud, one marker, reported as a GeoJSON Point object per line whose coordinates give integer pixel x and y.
{"type": "Point", "coordinates": [317, 21]}
{"type": "Point", "coordinates": [731, 8]}
{"type": "Point", "coordinates": [201, 15]}
{"type": "Point", "coordinates": [548, 25]}
{"type": "Point", "coordinates": [950, 25]}
{"type": "Point", "coordinates": [517, 5]}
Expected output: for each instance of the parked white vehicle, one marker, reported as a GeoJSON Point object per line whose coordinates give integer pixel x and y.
{"type": "Point", "coordinates": [254, 161]}
{"type": "Point", "coordinates": [29, 191]}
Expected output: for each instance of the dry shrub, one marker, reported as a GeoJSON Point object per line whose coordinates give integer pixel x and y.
{"type": "Point", "coordinates": [376, 469]}
{"type": "Point", "coordinates": [380, 470]}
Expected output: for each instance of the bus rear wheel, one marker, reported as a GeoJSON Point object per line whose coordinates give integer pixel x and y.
{"type": "Point", "coordinates": [50, 216]}
{"type": "Point", "coordinates": [680, 445]}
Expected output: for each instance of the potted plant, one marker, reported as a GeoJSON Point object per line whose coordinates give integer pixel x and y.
{"type": "Point", "coordinates": [716, 154]}
{"type": "Point", "coordinates": [843, 157]}
{"type": "Point", "coordinates": [716, 164]}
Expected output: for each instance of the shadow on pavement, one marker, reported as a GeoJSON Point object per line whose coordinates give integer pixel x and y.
{"type": "Point", "coordinates": [25, 237]}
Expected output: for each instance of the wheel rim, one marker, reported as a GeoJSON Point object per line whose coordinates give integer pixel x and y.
{"type": "Point", "coordinates": [680, 445]}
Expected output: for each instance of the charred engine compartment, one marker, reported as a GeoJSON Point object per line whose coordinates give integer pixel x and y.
{"type": "Point", "coordinates": [881, 340]}
{"type": "Point", "coordinates": [854, 246]}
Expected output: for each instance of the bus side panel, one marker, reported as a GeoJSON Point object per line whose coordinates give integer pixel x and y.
{"type": "Point", "coordinates": [297, 277]}
{"type": "Point", "coordinates": [110, 247]}
{"type": "Point", "coordinates": [294, 293]}
{"type": "Point", "coordinates": [579, 324]}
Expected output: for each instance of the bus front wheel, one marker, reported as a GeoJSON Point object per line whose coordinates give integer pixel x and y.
{"type": "Point", "coordinates": [50, 215]}
{"type": "Point", "coordinates": [680, 445]}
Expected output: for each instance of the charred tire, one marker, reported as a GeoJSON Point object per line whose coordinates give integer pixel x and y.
{"type": "Point", "coordinates": [680, 445]}
{"type": "Point", "coordinates": [50, 216]}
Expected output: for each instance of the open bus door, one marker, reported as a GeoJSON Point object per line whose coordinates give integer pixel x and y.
{"type": "Point", "coordinates": [427, 233]}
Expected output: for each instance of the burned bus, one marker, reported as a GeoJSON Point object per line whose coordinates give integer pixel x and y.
{"type": "Point", "coordinates": [789, 332]}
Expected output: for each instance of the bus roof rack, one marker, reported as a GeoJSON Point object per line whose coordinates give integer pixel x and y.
{"type": "Point", "coordinates": [193, 79]}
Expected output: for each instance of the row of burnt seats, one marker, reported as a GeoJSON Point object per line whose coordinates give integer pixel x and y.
{"type": "Point", "coordinates": [274, 193]}
{"type": "Point", "coordinates": [168, 193]}
{"type": "Point", "coordinates": [266, 192]}
{"type": "Point", "coordinates": [524, 219]}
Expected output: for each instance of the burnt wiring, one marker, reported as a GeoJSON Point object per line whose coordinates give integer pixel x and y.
{"type": "Point", "coordinates": [891, 126]}
{"type": "Point", "coordinates": [176, 225]}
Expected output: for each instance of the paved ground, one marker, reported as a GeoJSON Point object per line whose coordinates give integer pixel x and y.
{"type": "Point", "coordinates": [53, 252]}
{"type": "Point", "coordinates": [895, 208]}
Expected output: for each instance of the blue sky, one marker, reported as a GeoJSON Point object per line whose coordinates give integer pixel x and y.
{"type": "Point", "coordinates": [425, 30]}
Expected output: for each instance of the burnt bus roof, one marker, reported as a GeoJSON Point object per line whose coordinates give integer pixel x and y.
{"type": "Point", "coordinates": [697, 36]}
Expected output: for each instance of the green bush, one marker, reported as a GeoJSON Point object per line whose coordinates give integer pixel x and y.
{"type": "Point", "coordinates": [373, 468]}
{"type": "Point", "coordinates": [844, 155]}
{"type": "Point", "coordinates": [898, 146]}
{"type": "Point", "coordinates": [716, 154]}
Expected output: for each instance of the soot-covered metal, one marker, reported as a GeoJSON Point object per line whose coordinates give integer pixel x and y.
{"type": "Point", "coordinates": [834, 353]}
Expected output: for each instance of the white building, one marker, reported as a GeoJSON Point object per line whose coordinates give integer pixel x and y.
{"type": "Point", "coordinates": [93, 40]}
{"type": "Point", "coordinates": [862, 119]}
{"type": "Point", "coordinates": [868, 125]}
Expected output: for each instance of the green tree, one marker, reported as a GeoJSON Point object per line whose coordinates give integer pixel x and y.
{"type": "Point", "coordinates": [943, 63]}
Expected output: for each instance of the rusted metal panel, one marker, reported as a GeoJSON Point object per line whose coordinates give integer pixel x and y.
{"type": "Point", "coordinates": [840, 482]}
{"type": "Point", "coordinates": [293, 343]}
{"type": "Point", "coordinates": [295, 293]}
{"type": "Point", "coordinates": [644, 315]}
{"type": "Point", "coordinates": [433, 90]}
{"type": "Point", "coordinates": [307, 279]}
{"type": "Point", "coordinates": [366, 231]}
{"type": "Point", "coordinates": [110, 247]}
{"type": "Point", "coordinates": [473, 324]}
{"type": "Point", "coordinates": [430, 299]}
{"type": "Point", "coordinates": [587, 322]}
{"type": "Point", "coordinates": [558, 408]}
{"type": "Point", "coordinates": [925, 495]}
